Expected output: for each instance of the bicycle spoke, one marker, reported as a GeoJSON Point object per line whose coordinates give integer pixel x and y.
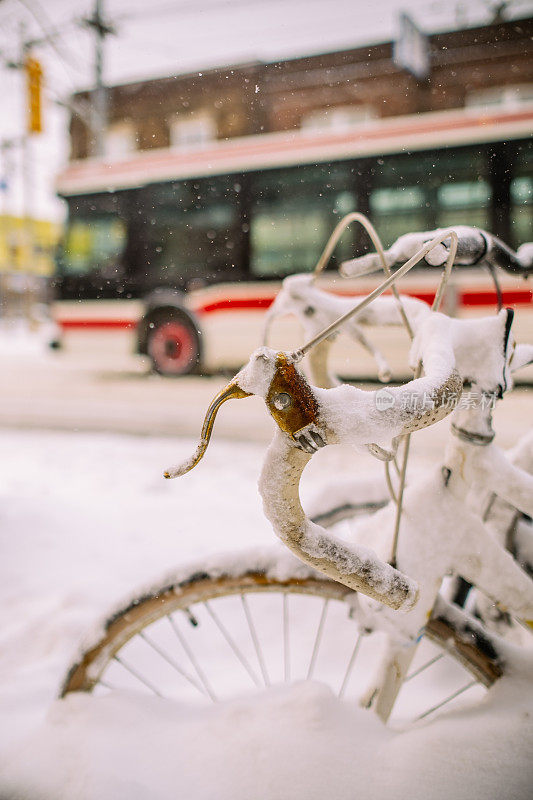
{"type": "Point", "coordinates": [192, 658]}
{"type": "Point", "coordinates": [232, 644]}
{"type": "Point", "coordinates": [331, 643]}
{"type": "Point", "coordinates": [424, 667]}
{"type": "Point", "coordinates": [444, 702]}
{"type": "Point", "coordinates": [109, 686]}
{"type": "Point", "coordinates": [133, 671]}
{"type": "Point", "coordinates": [318, 640]}
{"type": "Point", "coordinates": [149, 641]}
{"type": "Point", "coordinates": [190, 616]}
{"type": "Point", "coordinates": [286, 643]}
{"type": "Point", "coordinates": [255, 640]}
{"type": "Point", "coordinates": [349, 668]}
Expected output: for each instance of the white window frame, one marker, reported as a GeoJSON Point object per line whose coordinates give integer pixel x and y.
{"type": "Point", "coordinates": [120, 139]}
{"type": "Point", "coordinates": [507, 97]}
{"type": "Point", "coordinates": [337, 118]}
{"type": "Point", "coordinates": [194, 129]}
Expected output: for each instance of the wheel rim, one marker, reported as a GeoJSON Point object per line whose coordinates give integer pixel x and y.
{"type": "Point", "coordinates": [173, 347]}
{"type": "Point", "coordinates": [171, 644]}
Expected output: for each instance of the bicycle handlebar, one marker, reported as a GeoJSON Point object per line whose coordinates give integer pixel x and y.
{"type": "Point", "coordinates": [352, 565]}
{"type": "Point", "coordinates": [503, 257]}
{"type": "Point", "coordinates": [474, 247]}
{"type": "Point", "coordinates": [308, 421]}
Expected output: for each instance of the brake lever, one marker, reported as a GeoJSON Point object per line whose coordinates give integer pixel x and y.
{"type": "Point", "coordinates": [294, 407]}
{"type": "Point", "coordinates": [289, 399]}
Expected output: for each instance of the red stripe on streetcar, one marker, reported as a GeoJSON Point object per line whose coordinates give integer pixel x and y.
{"type": "Point", "coordinates": [230, 304]}
{"type": "Point", "coordinates": [510, 297]}
{"type": "Point", "coordinates": [481, 297]}
{"type": "Point", "coordinates": [97, 324]}
{"type": "Point", "coordinates": [467, 298]}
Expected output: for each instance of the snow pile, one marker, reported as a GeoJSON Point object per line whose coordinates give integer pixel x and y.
{"type": "Point", "coordinates": [87, 518]}
{"type": "Point", "coordinates": [19, 338]}
{"type": "Point", "coordinates": [472, 248]}
{"type": "Point", "coordinates": [294, 742]}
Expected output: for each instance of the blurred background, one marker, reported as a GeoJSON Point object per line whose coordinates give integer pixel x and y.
{"type": "Point", "coordinates": [163, 168]}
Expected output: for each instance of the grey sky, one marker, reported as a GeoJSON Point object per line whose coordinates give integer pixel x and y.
{"type": "Point", "coordinates": [162, 37]}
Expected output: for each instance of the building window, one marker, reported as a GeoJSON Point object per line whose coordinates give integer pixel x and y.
{"type": "Point", "coordinates": [339, 118]}
{"type": "Point", "coordinates": [189, 130]}
{"type": "Point", "coordinates": [501, 97]}
{"type": "Point", "coordinates": [120, 139]}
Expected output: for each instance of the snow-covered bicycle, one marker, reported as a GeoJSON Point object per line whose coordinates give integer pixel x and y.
{"type": "Point", "coordinates": [265, 616]}
{"type": "Point", "coordinates": [301, 297]}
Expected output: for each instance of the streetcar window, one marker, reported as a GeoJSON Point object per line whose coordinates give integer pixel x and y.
{"type": "Point", "coordinates": [398, 199]}
{"type": "Point", "coordinates": [385, 201]}
{"type": "Point", "coordinates": [430, 190]}
{"type": "Point", "coordinates": [292, 215]}
{"type": "Point", "coordinates": [192, 231]}
{"type": "Point", "coordinates": [464, 195]}
{"type": "Point", "coordinates": [522, 197]}
{"type": "Point", "coordinates": [93, 244]}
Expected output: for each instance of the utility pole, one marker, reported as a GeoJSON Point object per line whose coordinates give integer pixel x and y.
{"type": "Point", "coordinates": [24, 282]}
{"type": "Point", "coordinates": [99, 104]}
{"type": "Point", "coordinates": [5, 232]}
{"type": "Point", "coordinates": [19, 283]}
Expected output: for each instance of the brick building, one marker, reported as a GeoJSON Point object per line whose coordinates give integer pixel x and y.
{"type": "Point", "coordinates": [483, 66]}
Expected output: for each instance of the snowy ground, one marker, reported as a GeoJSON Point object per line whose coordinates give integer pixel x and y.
{"type": "Point", "coordinates": [84, 518]}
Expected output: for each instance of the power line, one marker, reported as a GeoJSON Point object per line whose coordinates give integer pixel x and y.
{"type": "Point", "coordinates": [94, 114]}
{"type": "Point", "coordinates": [50, 34]}
{"type": "Point", "coordinates": [195, 8]}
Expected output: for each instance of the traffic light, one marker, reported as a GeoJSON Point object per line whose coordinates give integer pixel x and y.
{"type": "Point", "coordinates": [34, 74]}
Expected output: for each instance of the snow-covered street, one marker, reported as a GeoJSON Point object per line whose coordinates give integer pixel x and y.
{"type": "Point", "coordinates": [85, 519]}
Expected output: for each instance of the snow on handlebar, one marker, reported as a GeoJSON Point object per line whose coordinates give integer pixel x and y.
{"type": "Point", "coordinates": [474, 247]}
{"type": "Point", "coordinates": [310, 418]}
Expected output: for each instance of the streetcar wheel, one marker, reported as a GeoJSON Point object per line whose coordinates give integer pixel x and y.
{"type": "Point", "coordinates": [174, 345]}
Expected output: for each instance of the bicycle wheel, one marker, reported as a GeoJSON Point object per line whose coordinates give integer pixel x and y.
{"type": "Point", "coordinates": [240, 626]}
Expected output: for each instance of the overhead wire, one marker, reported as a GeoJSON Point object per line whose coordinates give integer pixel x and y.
{"type": "Point", "coordinates": [50, 33]}
{"type": "Point", "coordinates": [192, 8]}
